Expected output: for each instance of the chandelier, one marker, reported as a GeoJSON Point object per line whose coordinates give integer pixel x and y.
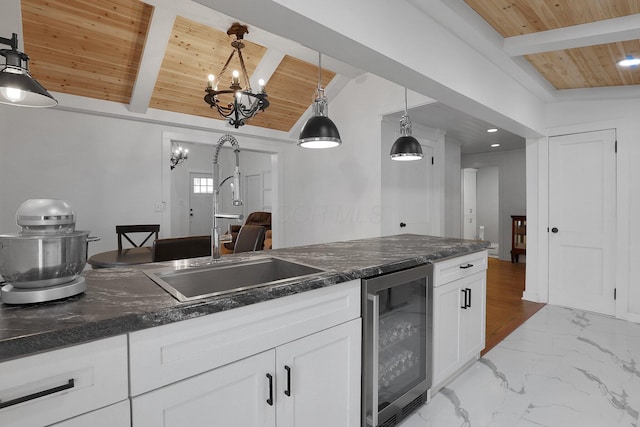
{"type": "Point", "coordinates": [178, 155]}
{"type": "Point", "coordinates": [244, 104]}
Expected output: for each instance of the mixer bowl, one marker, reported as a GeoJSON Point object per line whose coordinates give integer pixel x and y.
{"type": "Point", "coordinates": [36, 261]}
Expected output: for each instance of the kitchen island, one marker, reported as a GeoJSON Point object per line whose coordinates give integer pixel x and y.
{"type": "Point", "coordinates": [284, 354]}
{"type": "Point", "coordinates": [124, 300]}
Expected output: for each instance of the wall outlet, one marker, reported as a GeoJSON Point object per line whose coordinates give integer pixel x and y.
{"type": "Point", "coordinates": [159, 206]}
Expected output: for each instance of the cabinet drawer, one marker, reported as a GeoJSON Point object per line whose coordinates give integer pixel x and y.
{"type": "Point", "coordinates": [117, 415]}
{"type": "Point", "coordinates": [170, 353]}
{"type": "Point", "coordinates": [49, 387]}
{"type": "Point", "coordinates": [456, 268]}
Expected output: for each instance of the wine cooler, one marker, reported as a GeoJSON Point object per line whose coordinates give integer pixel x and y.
{"type": "Point", "coordinates": [396, 377]}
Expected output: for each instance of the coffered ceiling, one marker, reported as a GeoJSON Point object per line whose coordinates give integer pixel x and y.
{"type": "Point", "coordinates": [133, 53]}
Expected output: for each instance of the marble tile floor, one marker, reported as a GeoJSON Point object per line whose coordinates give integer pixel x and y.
{"type": "Point", "coordinates": [561, 368]}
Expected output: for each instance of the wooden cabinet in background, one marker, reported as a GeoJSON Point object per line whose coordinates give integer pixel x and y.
{"type": "Point", "coordinates": [518, 237]}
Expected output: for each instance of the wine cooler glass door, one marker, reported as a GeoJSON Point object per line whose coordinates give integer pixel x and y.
{"type": "Point", "coordinates": [397, 333]}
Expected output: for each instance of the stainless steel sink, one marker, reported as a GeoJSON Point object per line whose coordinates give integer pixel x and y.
{"type": "Point", "coordinates": [186, 284]}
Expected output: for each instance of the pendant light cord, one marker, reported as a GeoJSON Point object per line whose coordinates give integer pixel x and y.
{"type": "Point", "coordinates": [319, 72]}
{"type": "Point", "coordinates": [405, 101]}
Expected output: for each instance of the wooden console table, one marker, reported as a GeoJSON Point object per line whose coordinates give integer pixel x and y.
{"type": "Point", "coordinates": [518, 237]}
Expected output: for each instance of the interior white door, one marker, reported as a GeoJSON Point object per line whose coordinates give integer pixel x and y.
{"type": "Point", "coordinates": [582, 227]}
{"type": "Point", "coordinates": [416, 187]}
{"type": "Point", "coordinates": [200, 204]}
{"type": "Point", "coordinates": [469, 202]}
{"type": "Point", "coordinates": [253, 193]}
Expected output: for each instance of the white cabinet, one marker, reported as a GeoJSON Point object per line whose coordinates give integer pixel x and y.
{"type": "Point", "coordinates": [57, 385]}
{"type": "Point", "coordinates": [318, 379]}
{"type": "Point", "coordinates": [293, 361]}
{"type": "Point", "coordinates": [459, 314]}
{"type": "Point", "coordinates": [312, 381]}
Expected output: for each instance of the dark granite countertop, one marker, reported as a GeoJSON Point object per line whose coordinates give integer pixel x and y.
{"type": "Point", "coordinates": [122, 300]}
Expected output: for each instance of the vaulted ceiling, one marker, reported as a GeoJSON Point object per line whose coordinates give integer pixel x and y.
{"type": "Point", "coordinates": [95, 49]}
{"type": "Point", "coordinates": [129, 52]}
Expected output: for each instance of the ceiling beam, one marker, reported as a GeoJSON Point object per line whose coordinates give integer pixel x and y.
{"type": "Point", "coordinates": [266, 67]}
{"type": "Point", "coordinates": [594, 33]}
{"type": "Point", "coordinates": [155, 46]}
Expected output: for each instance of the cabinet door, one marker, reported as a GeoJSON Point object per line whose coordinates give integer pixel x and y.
{"type": "Point", "coordinates": [319, 379]}
{"type": "Point", "coordinates": [447, 302]}
{"type": "Point", "coordinates": [473, 324]}
{"type": "Point", "coordinates": [235, 395]}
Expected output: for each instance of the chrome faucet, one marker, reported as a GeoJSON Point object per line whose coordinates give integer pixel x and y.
{"type": "Point", "coordinates": [235, 188]}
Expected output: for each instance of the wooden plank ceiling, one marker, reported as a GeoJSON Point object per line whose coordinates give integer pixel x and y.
{"type": "Point", "coordinates": [583, 67]}
{"type": "Point", "coordinates": [93, 49]}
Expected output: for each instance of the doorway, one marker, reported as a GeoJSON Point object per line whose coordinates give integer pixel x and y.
{"type": "Point", "coordinates": [191, 211]}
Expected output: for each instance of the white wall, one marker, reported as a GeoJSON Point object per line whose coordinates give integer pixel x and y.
{"type": "Point", "coordinates": [513, 196]}
{"type": "Point", "coordinates": [335, 195]}
{"type": "Point", "coordinates": [108, 169]}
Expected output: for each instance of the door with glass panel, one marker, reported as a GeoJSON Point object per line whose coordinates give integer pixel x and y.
{"type": "Point", "coordinates": [396, 344]}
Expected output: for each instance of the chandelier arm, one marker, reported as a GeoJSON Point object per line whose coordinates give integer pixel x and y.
{"type": "Point", "coordinates": [244, 71]}
{"type": "Point", "coordinates": [226, 65]}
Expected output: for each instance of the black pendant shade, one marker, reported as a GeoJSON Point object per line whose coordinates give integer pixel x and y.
{"type": "Point", "coordinates": [406, 148]}
{"type": "Point", "coordinates": [319, 132]}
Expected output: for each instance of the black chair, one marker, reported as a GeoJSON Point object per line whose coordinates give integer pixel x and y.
{"type": "Point", "coordinates": [250, 238]}
{"type": "Point", "coordinates": [124, 230]}
{"type": "Point", "coordinates": [180, 248]}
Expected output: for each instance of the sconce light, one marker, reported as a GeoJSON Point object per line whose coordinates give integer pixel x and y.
{"type": "Point", "coordinates": [178, 155]}
{"type": "Point", "coordinates": [17, 87]}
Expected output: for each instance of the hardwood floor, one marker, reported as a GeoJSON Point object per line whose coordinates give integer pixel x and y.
{"type": "Point", "coordinates": [506, 310]}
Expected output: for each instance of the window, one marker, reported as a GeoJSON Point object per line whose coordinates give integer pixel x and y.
{"type": "Point", "coordinates": [203, 185]}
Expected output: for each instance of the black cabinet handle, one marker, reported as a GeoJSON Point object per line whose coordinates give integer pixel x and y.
{"type": "Point", "coordinates": [469, 294]}
{"type": "Point", "coordinates": [68, 385]}
{"type": "Point", "coordinates": [464, 305]}
{"type": "Point", "coordinates": [554, 230]}
{"type": "Point", "coordinates": [466, 266]}
{"type": "Point", "coordinates": [288, 390]}
{"type": "Point", "coordinates": [270, 399]}
{"type": "Point", "coordinates": [402, 225]}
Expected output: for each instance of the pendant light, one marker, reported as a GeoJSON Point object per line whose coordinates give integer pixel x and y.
{"type": "Point", "coordinates": [17, 87]}
{"type": "Point", "coordinates": [406, 147]}
{"type": "Point", "coordinates": [319, 131]}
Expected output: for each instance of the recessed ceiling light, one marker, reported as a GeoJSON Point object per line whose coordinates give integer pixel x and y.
{"type": "Point", "coordinates": [629, 61]}
{"type": "Point", "coordinates": [492, 130]}
{"type": "Point", "coordinates": [495, 145]}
